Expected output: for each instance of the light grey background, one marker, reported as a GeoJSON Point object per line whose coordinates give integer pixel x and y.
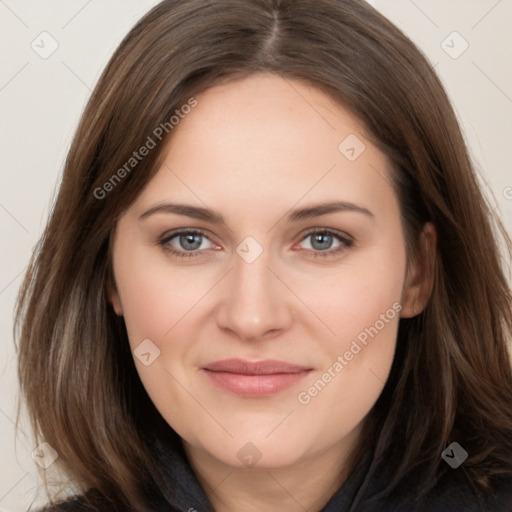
{"type": "Point", "coordinates": [41, 100]}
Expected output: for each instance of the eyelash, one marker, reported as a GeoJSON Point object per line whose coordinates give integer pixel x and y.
{"type": "Point", "coordinates": [345, 243]}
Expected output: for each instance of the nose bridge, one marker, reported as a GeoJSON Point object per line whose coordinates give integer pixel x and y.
{"type": "Point", "coordinates": [254, 301]}
{"type": "Point", "coordinates": [252, 280]}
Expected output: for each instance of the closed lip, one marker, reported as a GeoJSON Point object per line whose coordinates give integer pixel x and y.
{"type": "Point", "coordinates": [253, 379]}
{"type": "Point", "coordinates": [243, 367]}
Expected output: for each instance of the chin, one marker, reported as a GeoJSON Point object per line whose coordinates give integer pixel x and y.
{"type": "Point", "coordinates": [251, 448]}
{"type": "Point", "coordinates": [257, 454]}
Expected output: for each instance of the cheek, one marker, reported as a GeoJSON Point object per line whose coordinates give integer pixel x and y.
{"type": "Point", "coordinates": [356, 296]}
{"type": "Point", "coordinates": [162, 303]}
{"type": "Point", "coordinates": [361, 307]}
{"type": "Point", "coordinates": [158, 305]}
{"type": "Point", "coordinates": [155, 296]}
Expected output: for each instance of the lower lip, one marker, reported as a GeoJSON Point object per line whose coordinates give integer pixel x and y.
{"type": "Point", "coordinates": [255, 385]}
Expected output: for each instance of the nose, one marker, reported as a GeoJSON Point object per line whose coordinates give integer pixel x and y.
{"type": "Point", "coordinates": [255, 303]}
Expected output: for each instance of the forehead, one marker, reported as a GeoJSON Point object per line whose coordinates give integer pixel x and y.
{"type": "Point", "coordinates": [269, 141]}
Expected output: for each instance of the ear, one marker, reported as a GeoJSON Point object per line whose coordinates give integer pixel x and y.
{"type": "Point", "coordinates": [113, 297]}
{"type": "Point", "coordinates": [419, 279]}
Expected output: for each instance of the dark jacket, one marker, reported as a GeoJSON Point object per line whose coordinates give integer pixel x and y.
{"type": "Point", "coordinates": [181, 492]}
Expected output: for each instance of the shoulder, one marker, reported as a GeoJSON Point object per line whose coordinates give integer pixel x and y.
{"type": "Point", "coordinates": [454, 492]}
{"type": "Point", "coordinates": [77, 504]}
{"type": "Point", "coordinates": [81, 504]}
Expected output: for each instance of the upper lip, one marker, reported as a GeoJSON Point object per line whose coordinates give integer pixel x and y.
{"type": "Point", "coordinates": [242, 367]}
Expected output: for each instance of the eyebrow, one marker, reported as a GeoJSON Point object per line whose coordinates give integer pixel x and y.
{"type": "Point", "coordinates": [296, 215]}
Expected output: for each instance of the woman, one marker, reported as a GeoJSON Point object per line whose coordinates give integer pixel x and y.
{"type": "Point", "coordinates": [270, 280]}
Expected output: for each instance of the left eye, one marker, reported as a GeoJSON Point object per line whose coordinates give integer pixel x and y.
{"type": "Point", "coordinates": [321, 240]}
{"type": "Point", "coordinates": [321, 244]}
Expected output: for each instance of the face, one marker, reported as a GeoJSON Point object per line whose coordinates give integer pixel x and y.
{"type": "Point", "coordinates": [261, 274]}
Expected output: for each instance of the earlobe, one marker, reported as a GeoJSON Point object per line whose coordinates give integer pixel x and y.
{"type": "Point", "coordinates": [113, 298]}
{"type": "Point", "coordinates": [419, 279]}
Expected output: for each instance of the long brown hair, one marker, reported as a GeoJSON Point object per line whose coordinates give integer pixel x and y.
{"type": "Point", "coordinates": [451, 379]}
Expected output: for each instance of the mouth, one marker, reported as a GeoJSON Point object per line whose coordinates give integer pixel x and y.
{"type": "Point", "coordinates": [254, 379]}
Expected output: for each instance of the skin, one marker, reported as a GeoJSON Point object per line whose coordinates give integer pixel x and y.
{"type": "Point", "coordinates": [252, 150]}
